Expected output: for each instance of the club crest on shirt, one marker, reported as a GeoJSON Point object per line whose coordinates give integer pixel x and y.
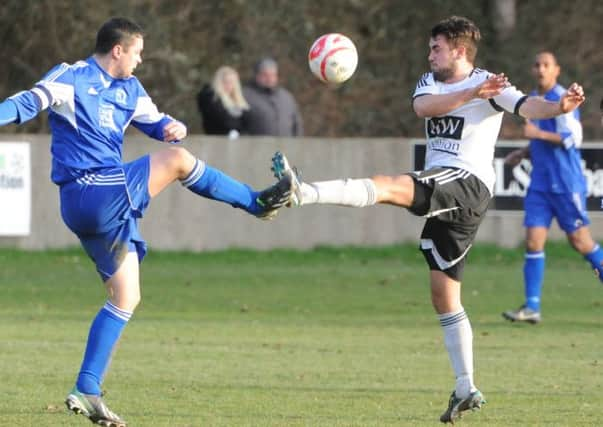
{"type": "Point", "coordinates": [120, 96]}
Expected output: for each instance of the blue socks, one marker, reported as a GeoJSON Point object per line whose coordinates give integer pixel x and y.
{"type": "Point", "coordinates": [104, 334]}
{"type": "Point", "coordinates": [595, 258]}
{"type": "Point", "coordinates": [214, 184]}
{"type": "Point", "coordinates": [533, 275]}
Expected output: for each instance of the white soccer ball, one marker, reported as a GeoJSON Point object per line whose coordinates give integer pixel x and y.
{"type": "Point", "coordinates": [333, 58]}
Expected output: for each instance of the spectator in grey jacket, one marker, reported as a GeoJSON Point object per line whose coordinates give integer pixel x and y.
{"type": "Point", "coordinates": [273, 110]}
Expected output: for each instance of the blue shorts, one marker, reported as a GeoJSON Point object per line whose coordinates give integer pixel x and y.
{"type": "Point", "coordinates": [568, 208]}
{"type": "Point", "coordinates": [102, 208]}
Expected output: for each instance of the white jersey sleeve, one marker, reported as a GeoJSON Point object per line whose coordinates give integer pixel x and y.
{"type": "Point", "coordinates": [509, 100]}
{"type": "Point", "coordinates": [426, 86]}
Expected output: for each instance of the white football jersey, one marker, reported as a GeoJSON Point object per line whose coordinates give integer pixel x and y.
{"type": "Point", "coordinates": [465, 137]}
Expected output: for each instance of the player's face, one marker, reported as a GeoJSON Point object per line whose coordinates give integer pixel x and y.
{"type": "Point", "coordinates": [442, 58]}
{"type": "Point", "coordinates": [130, 57]}
{"type": "Point", "coordinates": [545, 70]}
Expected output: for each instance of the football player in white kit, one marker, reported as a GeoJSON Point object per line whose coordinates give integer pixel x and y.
{"type": "Point", "coordinates": [462, 106]}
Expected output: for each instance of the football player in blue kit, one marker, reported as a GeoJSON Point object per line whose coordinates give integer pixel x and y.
{"type": "Point", "coordinates": [91, 103]}
{"type": "Point", "coordinates": [557, 189]}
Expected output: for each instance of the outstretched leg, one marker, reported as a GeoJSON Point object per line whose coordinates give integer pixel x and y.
{"type": "Point", "coordinates": [394, 190]}
{"type": "Point", "coordinates": [176, 163]}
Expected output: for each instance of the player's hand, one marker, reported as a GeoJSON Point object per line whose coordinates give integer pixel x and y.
{"type": "Point", "coordinates": [572, 98]}
{"type": "Point", "coordinates": [516, 156]}
{"type": "Point", "coordinates": [174, 131]}
{"type": "Point", "coordinates": [492, 87]}
{"type": "Point", "coordinates": [531, 131]}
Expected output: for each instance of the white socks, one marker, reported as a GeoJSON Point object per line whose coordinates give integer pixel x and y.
{"type": "Point", "coordinates": [458, 338]}
{"type": "Point", "coordinates": [349, 192]}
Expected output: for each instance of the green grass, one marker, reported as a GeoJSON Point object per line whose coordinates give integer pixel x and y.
{"type": "Point", "coordinates": [330, 337]}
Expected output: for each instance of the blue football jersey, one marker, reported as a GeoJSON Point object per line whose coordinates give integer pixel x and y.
{"type": "Point", "coordinates": [89, 112]}
{"type": "Point", "coordinates": [558, 168]}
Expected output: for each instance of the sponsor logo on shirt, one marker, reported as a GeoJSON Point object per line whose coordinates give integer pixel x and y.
{"type": "Point", "coordinates": [105, 116]}
{"type": "Point", "coordinates": [445, 127]}
{"type": "Point", "coordinates": [444, 145]}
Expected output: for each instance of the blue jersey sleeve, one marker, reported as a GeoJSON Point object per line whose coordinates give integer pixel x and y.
{"type": "Point", "coordinates": [8, 112]}
{"type": "Point", "coordinates": [147, 117]}
{"type": "Point", "coordinates": [54, 89]}
{"type": "Point", "coordinates": [569, 127]}
{"type": "Point", "coordinates": [27, 104]}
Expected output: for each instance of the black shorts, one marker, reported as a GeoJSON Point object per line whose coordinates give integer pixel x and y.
{"type": "Point", "coordinates": [454, 202]}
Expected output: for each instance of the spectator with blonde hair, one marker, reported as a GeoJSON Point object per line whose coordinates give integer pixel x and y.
{"type": "Point", "coordinates": [222, 103]}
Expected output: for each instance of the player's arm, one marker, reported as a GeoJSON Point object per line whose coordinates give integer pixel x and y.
{"type": "Point", "coordinates": [53, 90]}
{"type": "Point", "coordinates": [536, 107]}
{"type": "Point", "coordinates": [433, 105]}
{"type": "Point", "coordinates": [22, 106]}
{"type": "Point", "coordinates": [516, 156]}
{"type": "Point", "coordinates": [8, 112]}
{"type": "Point", "coordinates": [569, 131]}
{"type": "Point", "coordinates": [174, 131]}
{"type": "Point", "coordinates": [531, 131]}
{"type": "Point", "coordinates": [160, 126]}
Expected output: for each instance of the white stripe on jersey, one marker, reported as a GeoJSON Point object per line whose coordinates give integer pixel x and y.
{"type": "Point", "coordinates": [146, 111]}
{"type": "Point", "coordinates": [61, 93]}
{"type": "Point", "coordinates": [43, 97]}
{"type": "Point", "coordinates": [61, 70]}
{"type": "Point", "coordinates": [57, 73]}
{"type": "Point", "coordinates": [63, 99]}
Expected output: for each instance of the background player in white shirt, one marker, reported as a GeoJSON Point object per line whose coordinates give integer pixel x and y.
{"type": "Point", "coordinates": [462, 107]}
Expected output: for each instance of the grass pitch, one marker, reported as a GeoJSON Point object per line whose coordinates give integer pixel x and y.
{"type": "Point", "coordinates": [330, 337]}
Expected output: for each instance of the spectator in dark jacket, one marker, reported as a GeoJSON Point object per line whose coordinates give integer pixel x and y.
{"type": "Point", "coordinates": [222, 104]}
{"type": "Point", "coordinates": [273, 110]}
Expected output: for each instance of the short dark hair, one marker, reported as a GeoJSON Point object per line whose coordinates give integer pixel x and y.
{"type": "Point", "coordinates": [264, 63]}
{"type": "Point", "coordinates": [116, 31]}
{"type": "Point", "coordinates": [459, 31]}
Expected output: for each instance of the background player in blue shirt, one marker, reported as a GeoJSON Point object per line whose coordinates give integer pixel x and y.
{"type": "Point", "coordinates": [557, 188]}
{"type": "Point", "coordinates": [91, 103]}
